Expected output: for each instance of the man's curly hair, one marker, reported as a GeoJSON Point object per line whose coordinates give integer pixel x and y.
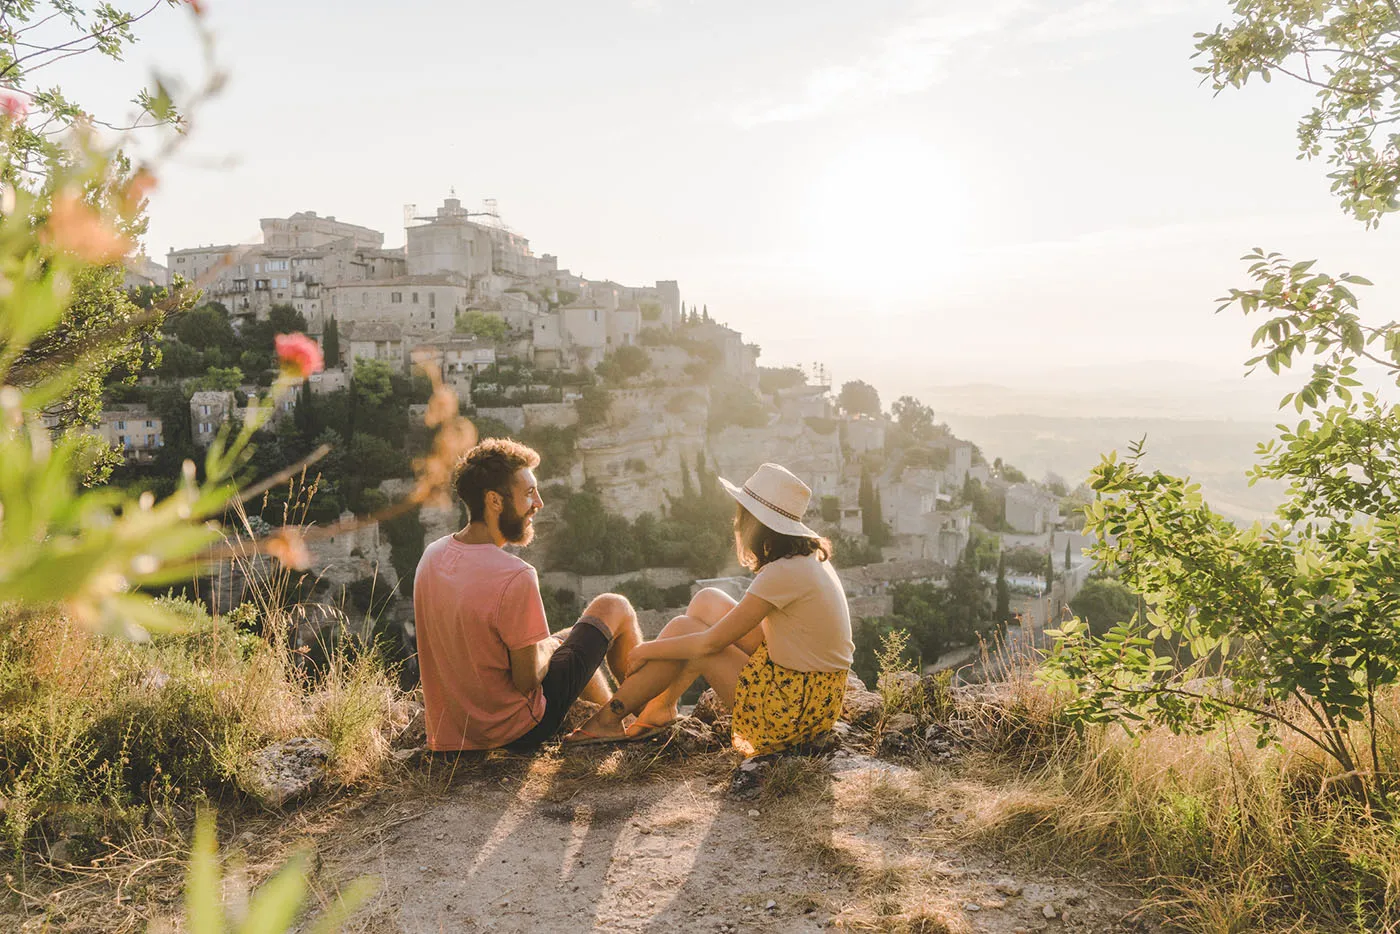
{"type": "Point", "coordinates": [490, 466]}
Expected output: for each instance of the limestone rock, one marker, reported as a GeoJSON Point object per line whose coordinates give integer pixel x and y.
{"type": "Point", "coordinates": [407, 724]}
{"type": "Point", "coordinates": [862, 708]}
{"type": "Point", "coordinates": [578, 715]}
{"type": "Point", "coordinates": [906, 683]}
{"type": "Point", "coordinates": [901, 723]}
{"type": "Point", "coordinates": [853, 683]}
{"type": "Point", "coordinates": [287, 770]}
{"type": "Point", "coordinates": [709, 709]}
{"type": "Point", "coordinates": [691, 736]}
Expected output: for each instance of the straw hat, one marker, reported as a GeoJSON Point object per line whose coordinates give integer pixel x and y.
{"type": "Point", "coordinates": [776, 498]}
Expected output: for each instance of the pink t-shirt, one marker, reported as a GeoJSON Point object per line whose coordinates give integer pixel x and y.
{"type": "Point", "coordinates": [472, 604]}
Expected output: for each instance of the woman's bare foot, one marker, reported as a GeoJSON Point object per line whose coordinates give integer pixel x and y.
{"type": "Point", "coordinates": [603, 727]}
{"type": "Point", "coordinates": [652, 717]}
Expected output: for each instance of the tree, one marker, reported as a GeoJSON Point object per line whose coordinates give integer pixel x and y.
{"type": "Point", "coordinates": [915, 418]}
{"type": "Point", "coordinates": [481, 325]}
{"type": "Point", "coordinates": [373, 383]}
{"type": "Point", "coordinates": [593, 407]}
{"type": "Point", "coordinates": [331, 343]}
{"type": "Point", "coordinates": [623, 364]}
{"type": "Point", "coordinates": [774, 379]}
{"type": "Point", "coordinates": [1067, 555]}
{"type": "Point", "coordinates": [204, 328]}
{"type": "Point", "coordinates": [1348, 51]}
{"type": "Point", "coordinates": [1104, 603]}
{"type": "Point", "coordinates": [1302, 613]}
{"type": "Point", "coordinates": [859, 398]}
{"type": "Point", "coordinates": [1003, 612]}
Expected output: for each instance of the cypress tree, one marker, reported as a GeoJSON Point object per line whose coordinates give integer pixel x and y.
{"type": "Point", "coordinates": [1066, 554]}
{"type": "Point", "coordinates": [1049, 570]}
{"type": "Point", "coordinates": [1003, 592]}
{"type": "Point", "coordinates": [331, 341]}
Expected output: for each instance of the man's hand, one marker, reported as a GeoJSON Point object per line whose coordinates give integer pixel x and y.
{"type": "Point", "coordinates": [528, 665]}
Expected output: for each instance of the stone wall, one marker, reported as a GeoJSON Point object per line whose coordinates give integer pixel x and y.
{"type": "Point", "coordinates": [556, 414]}
{"type": "Point", "coordinates": [513, 416]}
{"type": "Point", "coordinates": [588, 586]}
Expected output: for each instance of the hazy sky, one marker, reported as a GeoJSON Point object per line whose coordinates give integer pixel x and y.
{"type": "Point", "coordinates": [1035, 193]}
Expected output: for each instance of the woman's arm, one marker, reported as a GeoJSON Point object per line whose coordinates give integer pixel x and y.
{"type": "Point", "coordinates": [737, 623]}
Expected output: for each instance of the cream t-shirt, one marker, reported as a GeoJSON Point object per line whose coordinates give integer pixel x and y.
{"type": "Point", "coordinates": [809, 628]}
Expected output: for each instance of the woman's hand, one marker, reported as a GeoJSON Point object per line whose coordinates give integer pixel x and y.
{"type": "Point", "coordinates": [639, 656]}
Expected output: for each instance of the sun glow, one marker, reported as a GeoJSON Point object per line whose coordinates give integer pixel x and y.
{"type": "Point", "coordinates": [885, 213]}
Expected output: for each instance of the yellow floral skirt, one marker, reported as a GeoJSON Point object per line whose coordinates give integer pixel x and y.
{"type": "Point", "coordinates": [776, 707]}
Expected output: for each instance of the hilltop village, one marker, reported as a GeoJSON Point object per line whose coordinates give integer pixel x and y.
{"type": "Point", "coordinates": [636, 399]}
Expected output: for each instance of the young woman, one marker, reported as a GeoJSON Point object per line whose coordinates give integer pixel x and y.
{"type": "Point", "coordinates": [778, 658]}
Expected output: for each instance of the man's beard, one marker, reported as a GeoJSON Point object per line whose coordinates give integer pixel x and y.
{"type": "Point", "coordinates": [513, 526]}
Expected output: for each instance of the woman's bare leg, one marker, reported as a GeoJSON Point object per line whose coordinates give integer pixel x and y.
{"type": "Point", "coordinates": [654, 690]}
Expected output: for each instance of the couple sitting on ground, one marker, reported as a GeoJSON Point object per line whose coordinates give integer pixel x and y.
{"type": "Point", "coordinates": [493, 676]}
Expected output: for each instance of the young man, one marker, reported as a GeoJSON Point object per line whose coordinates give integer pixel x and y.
{"type": "Point", "coordinates": [492, 674]}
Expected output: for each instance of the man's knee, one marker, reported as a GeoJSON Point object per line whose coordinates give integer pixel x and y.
{"type": "Point", "coordinates": [710, 604]}
{"type": "Point", "coordinates": [614, 610]}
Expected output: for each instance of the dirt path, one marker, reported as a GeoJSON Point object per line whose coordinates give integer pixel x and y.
{"type": "Point", "coordinates": [624, 840]}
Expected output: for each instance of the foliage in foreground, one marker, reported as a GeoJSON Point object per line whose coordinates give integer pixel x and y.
{"type": "Point", "coordinates": [1300, 617]}
{"type": "Point", "coordinates": [1216, 832]}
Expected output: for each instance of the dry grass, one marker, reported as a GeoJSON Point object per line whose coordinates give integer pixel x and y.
{"type": "Point", "coordinates": [1219, 834]}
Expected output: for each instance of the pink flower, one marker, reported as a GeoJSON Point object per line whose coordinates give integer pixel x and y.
{"type": "Point", "coordinates": [15, 107]}
{"type": "Point", "coordinates": [76, 227]}
{"type": "Point", "coordinates": [299, 355]}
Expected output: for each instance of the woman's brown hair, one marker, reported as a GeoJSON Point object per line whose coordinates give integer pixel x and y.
{"type": "Point", "coordinates": [757, 545]}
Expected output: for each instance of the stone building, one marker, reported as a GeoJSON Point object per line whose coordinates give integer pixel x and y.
{"type": "Point", "coordinates": [421, 305]}
{"type": "Point", "coordinates": [305, 230]}
{"type": "Point", "coordinates": [1030, 509]}
{"type": "Point", "coordinates": [374, 340]}
{"type": "Point", "coordinates": [449, 241]}
{"type": "Point", "coordinates": [132, 429]}
{"type": "Point", "coordinates": [209, 409]}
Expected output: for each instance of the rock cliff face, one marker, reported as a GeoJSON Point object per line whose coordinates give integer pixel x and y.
{"type": "Point", "coordinates": [635, 459]}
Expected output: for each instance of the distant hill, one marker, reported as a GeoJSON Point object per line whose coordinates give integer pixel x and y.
{"type": "Point", "coordinates": [1214, 452]}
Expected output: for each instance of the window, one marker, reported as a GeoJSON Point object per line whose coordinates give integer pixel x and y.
{"type": "Point", "coordinates": [150, 424]}
{"type": "Point", "coordinates": [121, 439]}
{"type": "Point", "coordinates": [396, 298]}
{"type": "Point", "coordinates": [204, 410]}
{"type": "Point", "coordinates": [179, 259]}
{"type": "Point", "coordinates": [121, 426]}
{"type": "Point", "coordinates": [432, 315]}
{"type": "Point", "coordinates": [432, 299]}
{"type": "Point", "coordinates": [150, 441]}
{"type": "Point", "coordinates": [415, 298]}
{"type": "Point", "coordinates": [595, 316]}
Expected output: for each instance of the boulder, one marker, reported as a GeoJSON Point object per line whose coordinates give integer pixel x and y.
{"type": "Point", "coordinates": [853, 683]}
{"type": "Point", "coordinates": [285, 771]}
{"type": "Point", "coordinates": [862, 708]}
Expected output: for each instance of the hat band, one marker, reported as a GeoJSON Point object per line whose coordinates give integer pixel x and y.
{"type": "Point", "coordinates": [778, 509]}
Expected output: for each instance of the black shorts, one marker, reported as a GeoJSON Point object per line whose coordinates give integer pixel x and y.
{"type": "Point", "coordinates": [571, 667]}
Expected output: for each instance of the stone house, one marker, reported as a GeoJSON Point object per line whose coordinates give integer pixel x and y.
{"type": "Point", "coordinates": [424, 305]}
{"type": "Point", "coordinates": [374, 340]}
{"type": "Point", "coordinates": [132, 429]}
{"type": "Point", "coordinates": [209, 409]}
{"type": "Point", "coordinates": [1030, 509]}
